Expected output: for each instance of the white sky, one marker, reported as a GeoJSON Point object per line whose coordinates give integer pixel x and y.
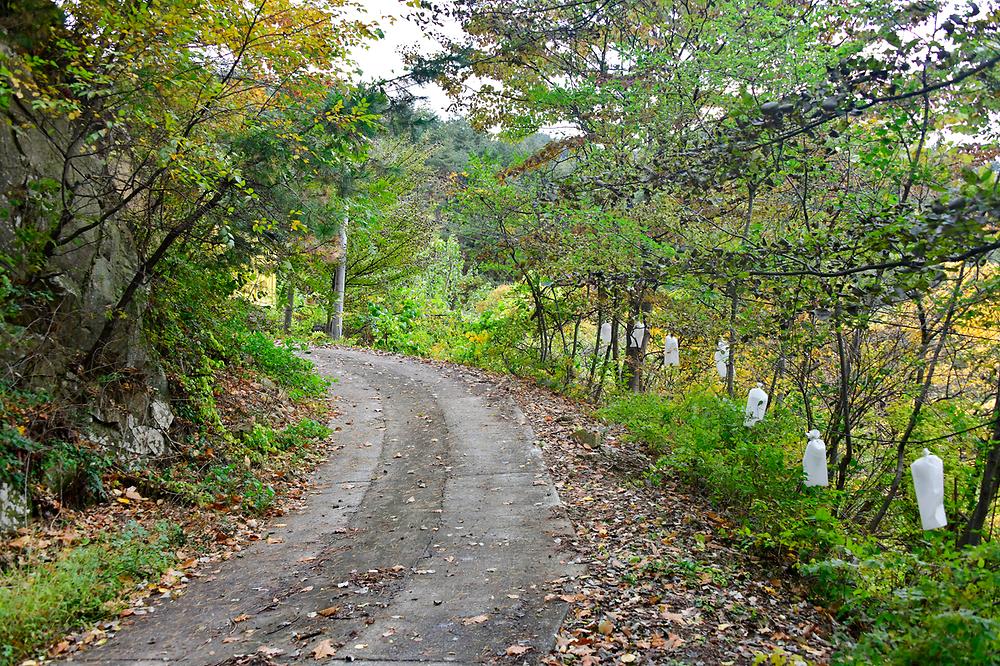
{"type": "Point", "coordinates": [383, 59]}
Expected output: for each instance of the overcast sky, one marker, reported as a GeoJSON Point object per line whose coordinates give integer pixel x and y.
{"type": "Point", "coordinates": [383, 59]}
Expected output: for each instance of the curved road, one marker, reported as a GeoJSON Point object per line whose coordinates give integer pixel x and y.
{"type": "Point", "coordinates": [431, 537]}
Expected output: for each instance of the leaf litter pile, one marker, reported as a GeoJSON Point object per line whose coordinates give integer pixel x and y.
{"type": "Point", "coordinates": [662, 586]}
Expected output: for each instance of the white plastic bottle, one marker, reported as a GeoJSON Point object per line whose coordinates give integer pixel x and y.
{"type": "Point", "coordinates": [928, 482]}
{"type": "Point", "coordinates": [671, 351]}
{"type": "Point", "coordinates": [606, 333]}
{"type": "Point", "coordinates": [638, 334]}
{"type": "Point", "coordinates": [756, 406]}
{"type": "Point", "coordinates": [722, 358]}
{"type": "Point", "coordinates": [814, 460]}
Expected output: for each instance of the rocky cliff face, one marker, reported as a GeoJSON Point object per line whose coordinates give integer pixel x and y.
{"type": "Point", "coordinates": [64, 299]}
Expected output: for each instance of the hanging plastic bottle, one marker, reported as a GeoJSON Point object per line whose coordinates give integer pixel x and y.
{"type": "Point", "coordinates": [637, 336]}
{"type": "Point", "coordinates": [671, 351]}
{"type": "Point", "coordinates": [606, 333]}
{"type": "Point", "coordinates": [756, 406]}
{"type": "Point", "coordinates": [722, 358]}
{"type": "Point", "coordinates": [928, 482]}
{"type": "Point", "coordinates": [814, 460]}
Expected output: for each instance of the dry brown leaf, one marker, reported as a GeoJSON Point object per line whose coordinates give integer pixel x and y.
{"type": "Point", "coordinates": [241, 618]}
{"type": "Point", "coordinates": [327, 612]}
{"type": "Point", "coordinates": [475, 619]}
{"type": "Point", "coordinates": [518, 650]}
{"type": "Point", "coordinates": [324, 650]}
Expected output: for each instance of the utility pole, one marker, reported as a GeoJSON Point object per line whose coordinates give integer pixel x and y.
{"type": "Point", "coordinates": [338, 315]}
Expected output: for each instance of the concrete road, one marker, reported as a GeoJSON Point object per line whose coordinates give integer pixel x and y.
{"type": "Point", "coordinates": [431, 537]}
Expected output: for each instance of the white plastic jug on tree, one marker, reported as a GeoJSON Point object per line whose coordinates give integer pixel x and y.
{"type": "Point", "coordinates": [928, 482]}
{"type": "Point", "coordinates": [637, 336]}
{"type": "Point", "coordinates": [756, 406]}
{"type": "Point", "coordinates": [814, 460]}
{"type": "Point", "coordinates": [722, 358]}
{"type": "Point", "coordinates": [671, 351]}
{"type": "Point", "coordinates": [606, 333]}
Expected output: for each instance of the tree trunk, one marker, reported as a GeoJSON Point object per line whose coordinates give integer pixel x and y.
{"type": "Point", "coordinates": [289, 304]}
{"type": "Point", "coordinates": [734, 302]}
{"type": "Point", "coordinates": [634, 355]}
{"type": "Point", "coordinates": [337, 326]}
{"type": "Point", "coordinates": [990, 482]}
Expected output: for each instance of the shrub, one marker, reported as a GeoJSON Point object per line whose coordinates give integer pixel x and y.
{"type": "Point", "coordinates": [41, 602]}
{"type": "Point", "coordinates": [282, 365]}
{"type": "Point", "coordinates": [755, 472]}
{"type": "Point", "coordinates": [932, 607]}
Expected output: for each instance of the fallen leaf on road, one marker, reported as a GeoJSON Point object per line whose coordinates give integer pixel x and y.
{"type": "Point", "coordinates": [476, 619]}
{"type": "Point", "coordinates": [518, 650]}
{"type": "Point", "coordinates": [327, 612]}
{"type": "Point", "coordinates": [324, 649]}
{"type": "Point", "coordinates": [241, 618]}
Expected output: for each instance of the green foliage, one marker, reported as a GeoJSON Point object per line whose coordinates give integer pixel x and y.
{"type": "Point", "coordinates": [755, 473]}
{"type": "Point", "coordinates": [933, 606]}
{"type": "Point", "coordinates": [280, 363]}
{"type": "Point", "coordinates": [41, 602]}
{"type": "Point", "coordinates": [239, 478]}
{"type": "Point", "coordinates": [74, 473]}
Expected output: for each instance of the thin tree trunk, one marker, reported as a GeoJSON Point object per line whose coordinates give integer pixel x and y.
{"type": "Point", "coordinates": [337, 326]}
{"type": "Point", "coordinates": [289, 304]}
{"type": "Point", "coordinates": [844, 400]}
{"type": "Point", "coordinates": [734, 303]}
{"type": "Point", "coordinates": [597, 343]}
{"type": "Point", "coordinates": [734, 300]}
{"type": "Point", "coordinates": [990, 482]}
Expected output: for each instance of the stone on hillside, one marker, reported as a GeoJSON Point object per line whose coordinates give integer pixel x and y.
{"type": "Point", "coordinates": [589, 438]}
{"type": "Point", "coordinates": [14, 507]}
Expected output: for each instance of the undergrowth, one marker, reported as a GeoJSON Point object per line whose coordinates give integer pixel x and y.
{"type": "Point", "coordinates": [41, 602]}
{"type": "Point", "coordinates": [927, 603]}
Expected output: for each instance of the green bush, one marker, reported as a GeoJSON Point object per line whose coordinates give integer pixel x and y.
{"type": "Point", "coordinates": [303, 432]}
{"type": "Point", "coordinates": [282, 365]}
{"type": "Point", "coordinates": [936, 606]}
{"type": "Point", "coordinates": [40, 603]}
